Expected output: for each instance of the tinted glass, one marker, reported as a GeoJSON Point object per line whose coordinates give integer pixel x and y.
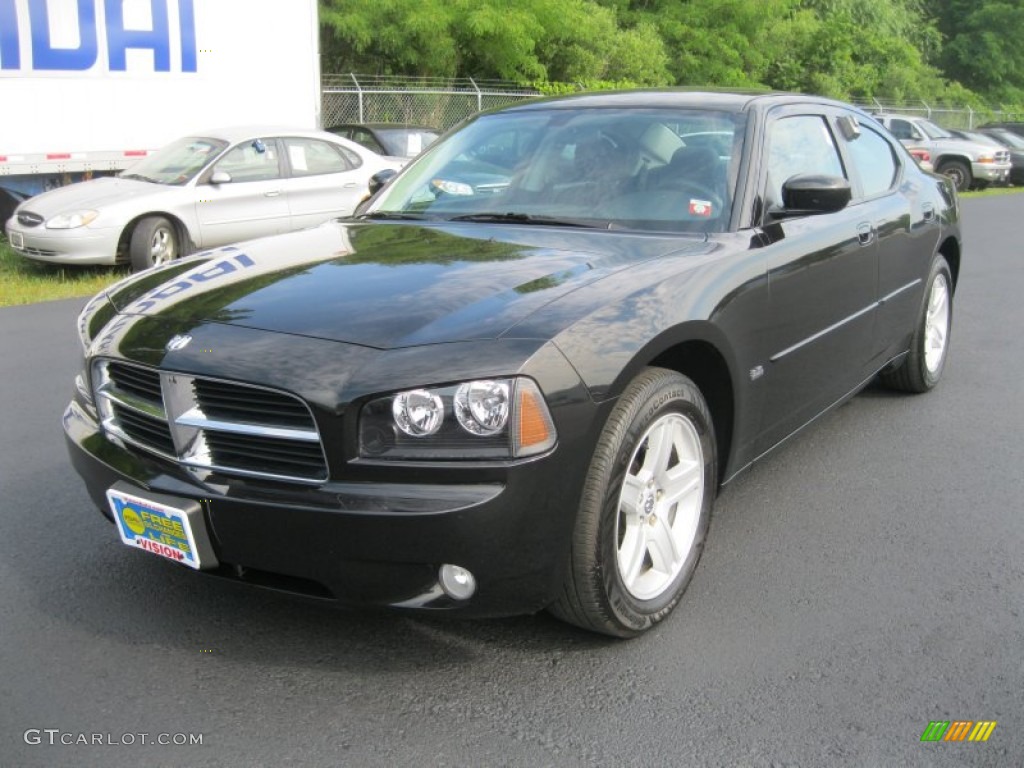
{"type": "Point", "coordinates": [799, 145]}
{"type": "Point", "coordinates": [873, 158]}
{"type": "Point", "coordinates": [637, 169]}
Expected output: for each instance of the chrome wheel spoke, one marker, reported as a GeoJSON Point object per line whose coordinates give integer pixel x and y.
{"type": "Point", "coordinates": [660, 499]}
{"type": "Point", "coordinates": [936, 324]}
{"type": "Point", "coordinates": [680, 481]}
{"type": "Point", "coordinates": [661, 545]}
{"type": "Point", "coordinates": [632, 554]}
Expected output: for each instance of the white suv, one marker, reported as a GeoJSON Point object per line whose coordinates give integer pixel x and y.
{"type": "Point", "coordinates": [967, 163]}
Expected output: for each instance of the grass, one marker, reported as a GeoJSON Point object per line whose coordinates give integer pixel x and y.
{"type": "Point", "coordinates": [23, 281]}
{"type": "Point", "coordinates": [993, 192]}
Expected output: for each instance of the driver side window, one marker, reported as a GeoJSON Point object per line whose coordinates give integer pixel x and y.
{"type": "Point", "coordinates": [798, 145]}
{"type": "Point", "coordinates": [255, 160]}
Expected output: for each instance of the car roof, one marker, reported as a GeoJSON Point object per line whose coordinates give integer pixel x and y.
{"type": "Point", "coordinates": [236, 133]}
{"type": "Point", "coordinates": [725, 101]}
{"type": "Point", "coordinates": [411, 126]}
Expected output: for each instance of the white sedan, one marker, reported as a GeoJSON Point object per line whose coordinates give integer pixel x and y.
{"type": "Point", "coordinates": [198, 192]}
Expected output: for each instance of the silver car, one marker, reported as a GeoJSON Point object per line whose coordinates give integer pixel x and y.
{"type": "Point", "coordinates": [198, 192]}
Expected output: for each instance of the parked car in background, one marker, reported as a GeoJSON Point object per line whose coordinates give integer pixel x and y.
{"type": "Point", "coordinates": [488, 404]}
{"type": "Point", "coordinates": [198, 192]}
{"type": "Point", "coordinates": [967, 163]}
{"type": "Point", "coordinates": [390, 139]}
{"type": "Point", "coordinates": [1000, 139]}
{"type": "Point", "coordinates": [923, 157]}
{"type": "Point", "coordinates": [1012, 127]}
{"type": "Point", "coordinates": [1015, 143]}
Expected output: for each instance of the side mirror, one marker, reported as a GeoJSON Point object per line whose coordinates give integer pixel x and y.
{"type": "Point", "coordinates": [380, 178]}
{"type": "Point", "coordinates": [812, 193]}
{"type": "Point", "coordinates": [220, 177]}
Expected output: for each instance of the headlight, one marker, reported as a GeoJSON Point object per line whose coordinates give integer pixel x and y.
{"type": "Point", "coordinates": [482, 419]}
{"type": "Point", "coordinates": [72, 220]}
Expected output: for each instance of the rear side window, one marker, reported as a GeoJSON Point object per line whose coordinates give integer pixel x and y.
{"type": "Point", "coordinates": [312, 157]}
{"type": "Point", "coordinates": [873, 159]}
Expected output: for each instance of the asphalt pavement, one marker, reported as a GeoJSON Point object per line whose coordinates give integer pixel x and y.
{"type": "Point", "coordinates": [863, 580]}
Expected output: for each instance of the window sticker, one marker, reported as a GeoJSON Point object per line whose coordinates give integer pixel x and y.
{"type": "Point", "coordinates": [297, 156]}
{"type": "Point", "coordinates": [700, 208]}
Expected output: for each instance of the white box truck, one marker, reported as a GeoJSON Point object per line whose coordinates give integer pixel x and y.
{"type": "Point", "coordinates": [87, 87]}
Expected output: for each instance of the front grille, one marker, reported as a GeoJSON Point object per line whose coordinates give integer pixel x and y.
{"type": "Point", "coordinates": [143, 382]}
{"type": "Point", "coordinates": [144, 430]}
{"type": "Point", "coordinates": [210, 423]}
{"type": "Point", "coordinates": [29, 219]}
{"type": "Point", "coordinates": [221, 400]}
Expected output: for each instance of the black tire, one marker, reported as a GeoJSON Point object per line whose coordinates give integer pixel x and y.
{"type": "Point", "coordinates": [921, 371]}
{"type": "Point", "coordinates": [596, 595]}
{"type": "Point", "coordinates": [154, 241]}
{"type": "Point", "coordinates": [958, 172]}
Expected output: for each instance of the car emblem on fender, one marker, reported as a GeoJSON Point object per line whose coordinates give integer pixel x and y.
{"type": "Point", "coordinates": [178, 341]}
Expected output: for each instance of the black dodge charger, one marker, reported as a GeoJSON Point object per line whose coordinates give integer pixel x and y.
{"type": "Point", "coordinates": [518, 377]}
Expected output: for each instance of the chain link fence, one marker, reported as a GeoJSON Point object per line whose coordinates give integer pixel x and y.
{"type": "Point", "coordinates": [441, 103]}
{"type": "Point", "coordinates": [435, 102]}
{"type": "Point", "coordinates": [951, 117]}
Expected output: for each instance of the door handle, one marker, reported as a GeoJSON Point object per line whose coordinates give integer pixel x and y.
{"type": "Point", "coordinates": [275, 193]}
{"type": "Point", "coordinates": [349, 185]}
{"type": "Point", "coordinates": [865, 233]}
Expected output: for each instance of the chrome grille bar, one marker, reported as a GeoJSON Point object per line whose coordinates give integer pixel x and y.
{"type": "Point", "coordinates": [211, 424]}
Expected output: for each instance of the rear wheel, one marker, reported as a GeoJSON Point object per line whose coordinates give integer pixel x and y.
{"type": "Point", "coordinates": [154, 241]}
{"type": "Point", "coordinates": [645, 510]}
{"type": "Point", "coordinates": [922, 368]}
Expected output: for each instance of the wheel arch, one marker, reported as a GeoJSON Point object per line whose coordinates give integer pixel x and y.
{"type": "Point", "coordinates": [700, 352]}
{"type": "Point", "coordinates": [181, 230]}
{"type": "Point", "coordinates": [950, 249]}
{"type": "Point", "coordinates": [948, 157]}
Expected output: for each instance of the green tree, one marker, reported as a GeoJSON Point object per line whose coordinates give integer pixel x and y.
{"type": "Point", "coordinates": [508, 39]}
{"type": "Point", "coordinates": [983, 46]}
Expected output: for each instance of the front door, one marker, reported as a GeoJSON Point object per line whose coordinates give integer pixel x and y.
{"type": "Point", "coordinates": [250, 202]}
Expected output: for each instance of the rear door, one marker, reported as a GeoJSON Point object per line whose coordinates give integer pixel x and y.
{"type": "Point", "coordinates": [324, 180]}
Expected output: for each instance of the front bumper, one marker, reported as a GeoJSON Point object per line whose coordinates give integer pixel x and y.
{"type": "Point", "coordinates": [367, 543]}
{"type": "Point", "coordinates": [993, 174]}
{"type": "Point", "coordinates": [82, 245]}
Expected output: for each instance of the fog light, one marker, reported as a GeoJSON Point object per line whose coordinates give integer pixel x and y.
{"type": "Point", "coordinates": [456, 581]}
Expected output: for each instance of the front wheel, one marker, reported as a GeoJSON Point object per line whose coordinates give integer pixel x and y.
{"type": "Point", "coordinates": [153, 242]}
{"type": "Point", "coordinates": [959, 173]}
{"type": "Point", "coordinates": [645, 510]}
{"type": "Point", "coordinates": [922, 368]}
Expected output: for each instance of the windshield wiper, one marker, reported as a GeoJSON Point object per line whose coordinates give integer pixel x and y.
{"type": "Point", "coordinates": [528, 218]}
{"type": "Point", "coordinates": [394, 215]}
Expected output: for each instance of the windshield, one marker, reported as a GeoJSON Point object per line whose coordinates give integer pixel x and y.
{"type": "Point", "coordinates": [405, 142]}
{"type": "Point", "coordinates": [653, 169]}
{"type": "Point", "coordinates": [176, 163]}
{"type": "Point", "coordinates": [932, 131]}
{"type": "Point", "coordinates": [1010, 139]}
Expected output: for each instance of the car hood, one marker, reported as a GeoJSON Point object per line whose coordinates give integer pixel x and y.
{"type": "Point", "coordinates": [969, 148]}
{"type": "Point", "coordinates": [94, 194]}
{"type": "Point", "coordinates": [386, 285]}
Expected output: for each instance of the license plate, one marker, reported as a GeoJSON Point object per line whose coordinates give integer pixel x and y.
{"type": "Point", "coordinates": [170, 527]}
{"type": "Point", "coordinates": [17, 240]}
